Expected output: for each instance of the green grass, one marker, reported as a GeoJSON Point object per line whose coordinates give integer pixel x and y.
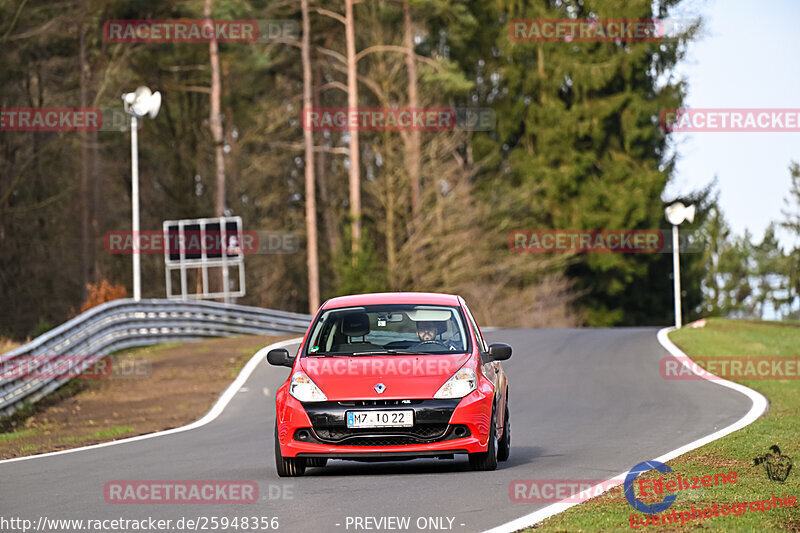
{"type": "Point", "coordinates": [104, 434]}
{"type": "Point", "coordinates": [5, 437]}
{"type": "Point", "coordinates": [780, 425]}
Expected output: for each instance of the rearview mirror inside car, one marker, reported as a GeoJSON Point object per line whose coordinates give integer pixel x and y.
{"type": "Point", "coordinates": [280, 357]}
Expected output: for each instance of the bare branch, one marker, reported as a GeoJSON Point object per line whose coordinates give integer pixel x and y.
{"type": "Point", "coordinates": [333, 54]}
{"type": "Point", "coordinates": [14, 21]}
{"type": "Point", "coordinates": [297, 147]}
{"type": "Point", "coordinates": [333, 85]}
{"type": "Point", "coordinates": [189, 88]}
{"type": "Point", "coordinates": [31, 33]}
{"type": "Point", "coordinates": [338, 150]}
{"type": "Point", "coordinates": [320, 49]}
{"type": "Point", "coordinates": [399, 49]}
{"type": "Point", "coordinates": [374, 87]}
{"type": "Point", "coordinates": [329, 13]}
{"type": "Point", "coordinates": [184, 68]}
{"type": "Point", "coordinates": [111, 69]}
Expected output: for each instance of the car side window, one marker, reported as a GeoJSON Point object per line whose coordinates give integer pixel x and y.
{"type": "Point", "coordinates": [476, 330]}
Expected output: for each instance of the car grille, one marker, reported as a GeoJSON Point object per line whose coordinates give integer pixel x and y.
{"type": "Point", "coordinates": [430, 431]}
{"type": "Point", "coordinates": [382, 441]}
{"type": "Point", "coordinates": [431, 423]}
{"type": "Point", "coordinates": [382, 436]}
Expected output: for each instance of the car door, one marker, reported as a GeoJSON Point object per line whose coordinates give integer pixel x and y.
{"type": "Point", "coordinates": [492, 370]}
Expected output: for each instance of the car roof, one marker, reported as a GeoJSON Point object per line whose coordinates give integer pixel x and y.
{"type": "Point", "coordinates": [428, 298]}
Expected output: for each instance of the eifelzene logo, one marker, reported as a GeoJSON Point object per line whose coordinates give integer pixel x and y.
{"type": "Point", "coordinates": [776, 464]}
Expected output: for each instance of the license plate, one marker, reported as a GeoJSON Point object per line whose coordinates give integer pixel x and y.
{"type": "Point", "coordinates": [380, 419]}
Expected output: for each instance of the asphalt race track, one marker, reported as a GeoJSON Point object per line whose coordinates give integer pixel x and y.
{"type": "Point", "coordinates": [585, 404]}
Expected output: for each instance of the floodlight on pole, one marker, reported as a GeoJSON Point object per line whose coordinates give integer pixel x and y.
{"type": "Point", "coordinates": [138, 104]}
{"type": "Point", "coordinates": [677, 213]}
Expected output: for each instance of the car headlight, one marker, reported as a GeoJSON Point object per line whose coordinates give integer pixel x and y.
{"type": "Point", "coordinates": [305, 390]}
{"type": "Point", "coordinates": [462, 383]}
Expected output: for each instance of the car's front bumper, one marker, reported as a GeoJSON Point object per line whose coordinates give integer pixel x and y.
{"type": "Point", "coordinates": [441, 427]}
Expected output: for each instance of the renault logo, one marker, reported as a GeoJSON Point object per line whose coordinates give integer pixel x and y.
{"type": "Point", "coordinates": [380, 387]}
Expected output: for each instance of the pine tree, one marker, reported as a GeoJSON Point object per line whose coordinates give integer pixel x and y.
{"type": "Point", "coordinates": [580, 147]}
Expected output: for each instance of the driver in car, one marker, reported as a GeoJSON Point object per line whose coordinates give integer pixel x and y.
{"type": "Point", "coordinates": [426, 331]}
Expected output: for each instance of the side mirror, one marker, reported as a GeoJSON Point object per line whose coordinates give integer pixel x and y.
{"type": "Point", "coordinates": [499, 352]}
{"type": "Point", "coordinates": [280, 357]}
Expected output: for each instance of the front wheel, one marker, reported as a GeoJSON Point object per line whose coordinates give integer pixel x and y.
{"type": "Point", "coordinates": [504, 444]}
{"type": "Point", "coordinates": [316, 461]}
{"type": "Point", "coordinates": [287, 466]}
{"type": "Point", "coordinates": [486, 460]}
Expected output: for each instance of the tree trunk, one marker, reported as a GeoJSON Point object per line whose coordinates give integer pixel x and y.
{"type": "Point", "coordinates": [215, 122]}
{"type": "Point", "coordinates": [352, 104]}
{"type": "Point", "coordinates": [215, 119]}
{"type": "Point", "coordinates": [413, 146]}
{"type": "Point", "coordinates": [391, 237]}
{"type": "Point", "coordinates": [97, 200]}
{"type": "Point", "coordinates": [232, 170]}
{"type": "Point", "coordinates": [84, 207]}
{"type": "Point", "coordinates": [308, 138]}
{"type": "Point", "coordinates": [328, 210]}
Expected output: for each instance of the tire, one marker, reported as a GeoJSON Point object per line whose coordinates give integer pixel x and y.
{"type": "Point", "coordinates": [486, 460]}
{"type": "Point", "coordinates": [504, 444]}
{"type": "Point", "coordinates": [318, 462]}
{"type": "Point", "coordinates": [287, 466]}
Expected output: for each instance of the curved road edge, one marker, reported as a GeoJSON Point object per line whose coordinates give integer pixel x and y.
{"type": "Point", "coordinates": [209, 417]}
{"type": "Point", "coordinates": [759, 407]}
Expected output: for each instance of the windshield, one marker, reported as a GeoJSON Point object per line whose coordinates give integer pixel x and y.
{"type": "Point", "coordinates": [388, 330]}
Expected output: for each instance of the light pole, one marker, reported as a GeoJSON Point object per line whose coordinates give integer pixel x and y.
{"type": "Point", "coordinates": [138, 104]}
{"type": "Point", "coordinates": [676, 214]}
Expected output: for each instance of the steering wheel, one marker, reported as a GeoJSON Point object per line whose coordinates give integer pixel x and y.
{"type": "Point", "coordinates": [443, 345]}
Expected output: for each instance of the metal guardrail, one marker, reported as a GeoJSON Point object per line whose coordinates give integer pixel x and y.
{"type": "Point", "coordinates": [125, 323]}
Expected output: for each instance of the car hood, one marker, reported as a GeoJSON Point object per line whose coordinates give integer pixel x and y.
{"type": "Point", "coordinates": [403, 376]}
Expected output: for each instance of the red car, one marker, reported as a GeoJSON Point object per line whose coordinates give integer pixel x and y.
{"type": "Point", "coordinates": [392, 376]}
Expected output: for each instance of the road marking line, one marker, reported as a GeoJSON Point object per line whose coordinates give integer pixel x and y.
{"type": "Point", "coordinates": [759, 407]}
{"type": "Point", "coordinates": [215, 411]}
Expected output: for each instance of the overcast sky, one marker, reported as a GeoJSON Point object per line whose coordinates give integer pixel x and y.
{"type": "Point", "coordinates": [747, 58]}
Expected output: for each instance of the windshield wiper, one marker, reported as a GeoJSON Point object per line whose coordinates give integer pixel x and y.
{"type": "Point", "coordinates": [331, 354]}
{"type": "Point", "coordinates": [391, 351]}
{"type": "Point", "coordinates": [388, 351]}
